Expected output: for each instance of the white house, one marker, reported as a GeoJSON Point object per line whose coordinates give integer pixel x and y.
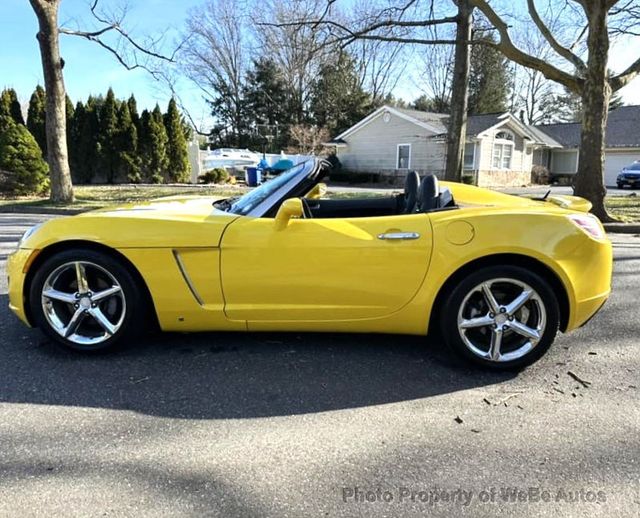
{"type": "Point", "coordinates": [500, 149]}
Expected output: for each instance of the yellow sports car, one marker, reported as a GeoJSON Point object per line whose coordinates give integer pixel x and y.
{"type": "Point", "coordinates": [496, 275]}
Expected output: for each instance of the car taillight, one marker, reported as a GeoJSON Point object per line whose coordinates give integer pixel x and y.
{"type": "Point", "coordinates": [589, 224]}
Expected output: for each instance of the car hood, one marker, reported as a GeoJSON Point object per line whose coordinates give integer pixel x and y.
{"type": "Point", "coordinates": [170, 207]}
{"type": "Point", "coordinates": [174, 222]}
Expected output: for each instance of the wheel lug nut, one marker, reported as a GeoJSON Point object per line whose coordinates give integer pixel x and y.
{"type": "Point", "coordinates": [511, 319]}
{"type": "Point", "coordinates": [503, 310]}
{"type": "Point", "coordinates": [492, 315]}
{"type": "Point", "coordinates": [76, 306]}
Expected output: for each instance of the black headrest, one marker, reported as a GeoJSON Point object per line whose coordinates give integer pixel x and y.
{"type": "Point", "coordinates": [411, 187]}
{"type": "Point", "coordinates": [429, 193]}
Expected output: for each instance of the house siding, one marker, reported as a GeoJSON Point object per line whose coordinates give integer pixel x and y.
{"type": "Point", "coordinates": [374, 147]}
{"type": "Point", "coordinates": [522, 158]}
{"type": "Point", "coordinates": [521, 161]}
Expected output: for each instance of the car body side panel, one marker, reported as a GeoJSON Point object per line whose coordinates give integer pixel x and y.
{"type": "Point", "coordinates": [177, 306]}
{"type": "Point", "coordinates": [173, 243]}
{"type": "Point", "coordinates": [582, 264]}
{"type": "Point", "coordinates": [322, 269]}
{"type": "Point", "coordinates": [15, 271]}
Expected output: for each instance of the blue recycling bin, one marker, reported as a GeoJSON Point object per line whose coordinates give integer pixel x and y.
{"type": "Point", "coordinates": [253, 176]}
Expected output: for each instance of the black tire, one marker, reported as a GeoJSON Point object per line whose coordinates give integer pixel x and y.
{"type": "Point", "coordinates": [462, 293]}
{"type": "Point", "coordinates": [131, 317]}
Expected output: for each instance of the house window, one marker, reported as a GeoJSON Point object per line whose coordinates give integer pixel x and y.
{"type": "Point", "coordinates": [404, 156]}
{"type": "Point", "coordinates": [503, 150]}
{"type": "Point", "coordinates": [469, 155]}
{"type": "Point", "coordinates": [504, 135]}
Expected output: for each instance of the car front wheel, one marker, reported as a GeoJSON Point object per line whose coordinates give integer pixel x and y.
{"type": "Point", "coordinates": [85, 300]}
{"type": "Point", "coordinates": [501, 317]}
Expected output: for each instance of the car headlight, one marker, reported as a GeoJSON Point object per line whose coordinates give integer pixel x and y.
{"type": "Point", "coordinates": [28, 233]}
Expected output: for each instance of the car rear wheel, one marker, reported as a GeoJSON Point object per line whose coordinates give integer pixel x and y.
{"type": "Point", "coordinates": [502, 317]}
{"type": "Point", "coordinates": [85, 300]}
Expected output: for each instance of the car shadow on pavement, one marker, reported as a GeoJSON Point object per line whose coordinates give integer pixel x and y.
{"type": "Point", "coordinates": [230, 375]}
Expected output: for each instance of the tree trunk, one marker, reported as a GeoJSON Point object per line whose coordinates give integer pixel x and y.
{"type": "Point", "coordinates": [56, 126]}
{"type": "Point", "coordinates": [596, 93]}
{"type": "Point", "coordinates": [459, 95]}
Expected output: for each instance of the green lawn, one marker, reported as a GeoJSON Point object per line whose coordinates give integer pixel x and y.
{"type": "Point", "coordinates": [96, 196]}
{"type": "Point", "coordinates": [625, 208]}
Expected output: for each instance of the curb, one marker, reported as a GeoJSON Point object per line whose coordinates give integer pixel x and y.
{"type": "Point", "coordinates": [622, 228]}
{"type": "Point", "coordinates": [36, 210]}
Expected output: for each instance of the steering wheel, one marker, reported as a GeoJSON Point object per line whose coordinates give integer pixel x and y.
{"type": "Point", "coordinates": [411, 188]}
{"type": "Point", "coordinates": [306, 211]}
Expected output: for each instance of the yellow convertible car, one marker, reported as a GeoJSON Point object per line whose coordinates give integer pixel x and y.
{"type": "Point", "coordinates": [495, 275]}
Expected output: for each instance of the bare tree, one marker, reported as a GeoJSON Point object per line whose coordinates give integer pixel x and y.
{"type": "Point", "coordinates": [400, 22]}
{"type": "Point", "coordinates": [436, 62]}
{"type": "Point", "coordinates": [298, 49]}
{"type": "Point", "coordinates": [129, 52]}
{"type": "Point", "coordinates": [380, 67]}
{"type": "Point", "coordinates": [534, 94]}
{"type": "Point", "coordinates": [308, 138]}
{"type": "Point", "coordinates": [380, 64]}
{"type": "Point", "coordinates": [215, 57]}
{"type": "Point", "coordinates": [459, 93]}
{"type": "Point", "coordinates": [589, 77]}
{"type": "Point", "coordinates": [56, 126]}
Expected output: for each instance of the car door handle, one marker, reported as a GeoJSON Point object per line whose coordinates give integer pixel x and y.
{"type": "Point", "coordinates": [395, 236]}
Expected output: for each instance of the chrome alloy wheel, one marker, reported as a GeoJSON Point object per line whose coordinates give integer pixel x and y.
{"type": "Point", "coordinates": [502, 319]}
{"type": "Point", "coordinates": [83, 303]}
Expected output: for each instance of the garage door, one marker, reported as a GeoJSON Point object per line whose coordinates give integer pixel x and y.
{"type": "Point", "coordinates": [614, 162]}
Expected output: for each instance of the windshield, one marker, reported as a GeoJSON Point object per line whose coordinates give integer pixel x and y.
{"type": "Point", "coordinates": [634, 167]}
{"type": "Point", "coordinates": [252, 199]}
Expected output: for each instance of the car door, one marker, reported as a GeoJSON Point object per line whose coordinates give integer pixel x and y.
{"type": "Point", "coordinates": [323, 269]}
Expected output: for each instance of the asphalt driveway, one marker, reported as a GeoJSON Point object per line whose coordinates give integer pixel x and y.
{"type": "Point", "coordinates": [255, 425]}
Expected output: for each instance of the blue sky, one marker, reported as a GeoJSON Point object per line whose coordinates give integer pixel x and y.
{"type": "Point", "coordinates": [91, 70]}
{"type": "Point", "coordinates": [88, 68]}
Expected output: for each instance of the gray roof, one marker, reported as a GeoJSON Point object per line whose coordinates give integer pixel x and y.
{"type": "Point", "coordinates": [475, 123]}
{"type": "Point", "coordinates": [437, 120]}
{"type": "Point", "coordinates": [567, 134]}
{"type": "Point", "coordinates": [623, 129]}
{"type": "Point", "coordinates": [543, 137]}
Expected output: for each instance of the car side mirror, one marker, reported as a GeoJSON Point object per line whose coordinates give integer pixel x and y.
{"type": "Point", "coordinates": [317, 192]}
{"type": "Point", "coordinates": [291, 208]}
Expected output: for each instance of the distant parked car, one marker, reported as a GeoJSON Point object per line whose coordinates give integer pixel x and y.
{"type": "Point", "coordinates": [630, 176]}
